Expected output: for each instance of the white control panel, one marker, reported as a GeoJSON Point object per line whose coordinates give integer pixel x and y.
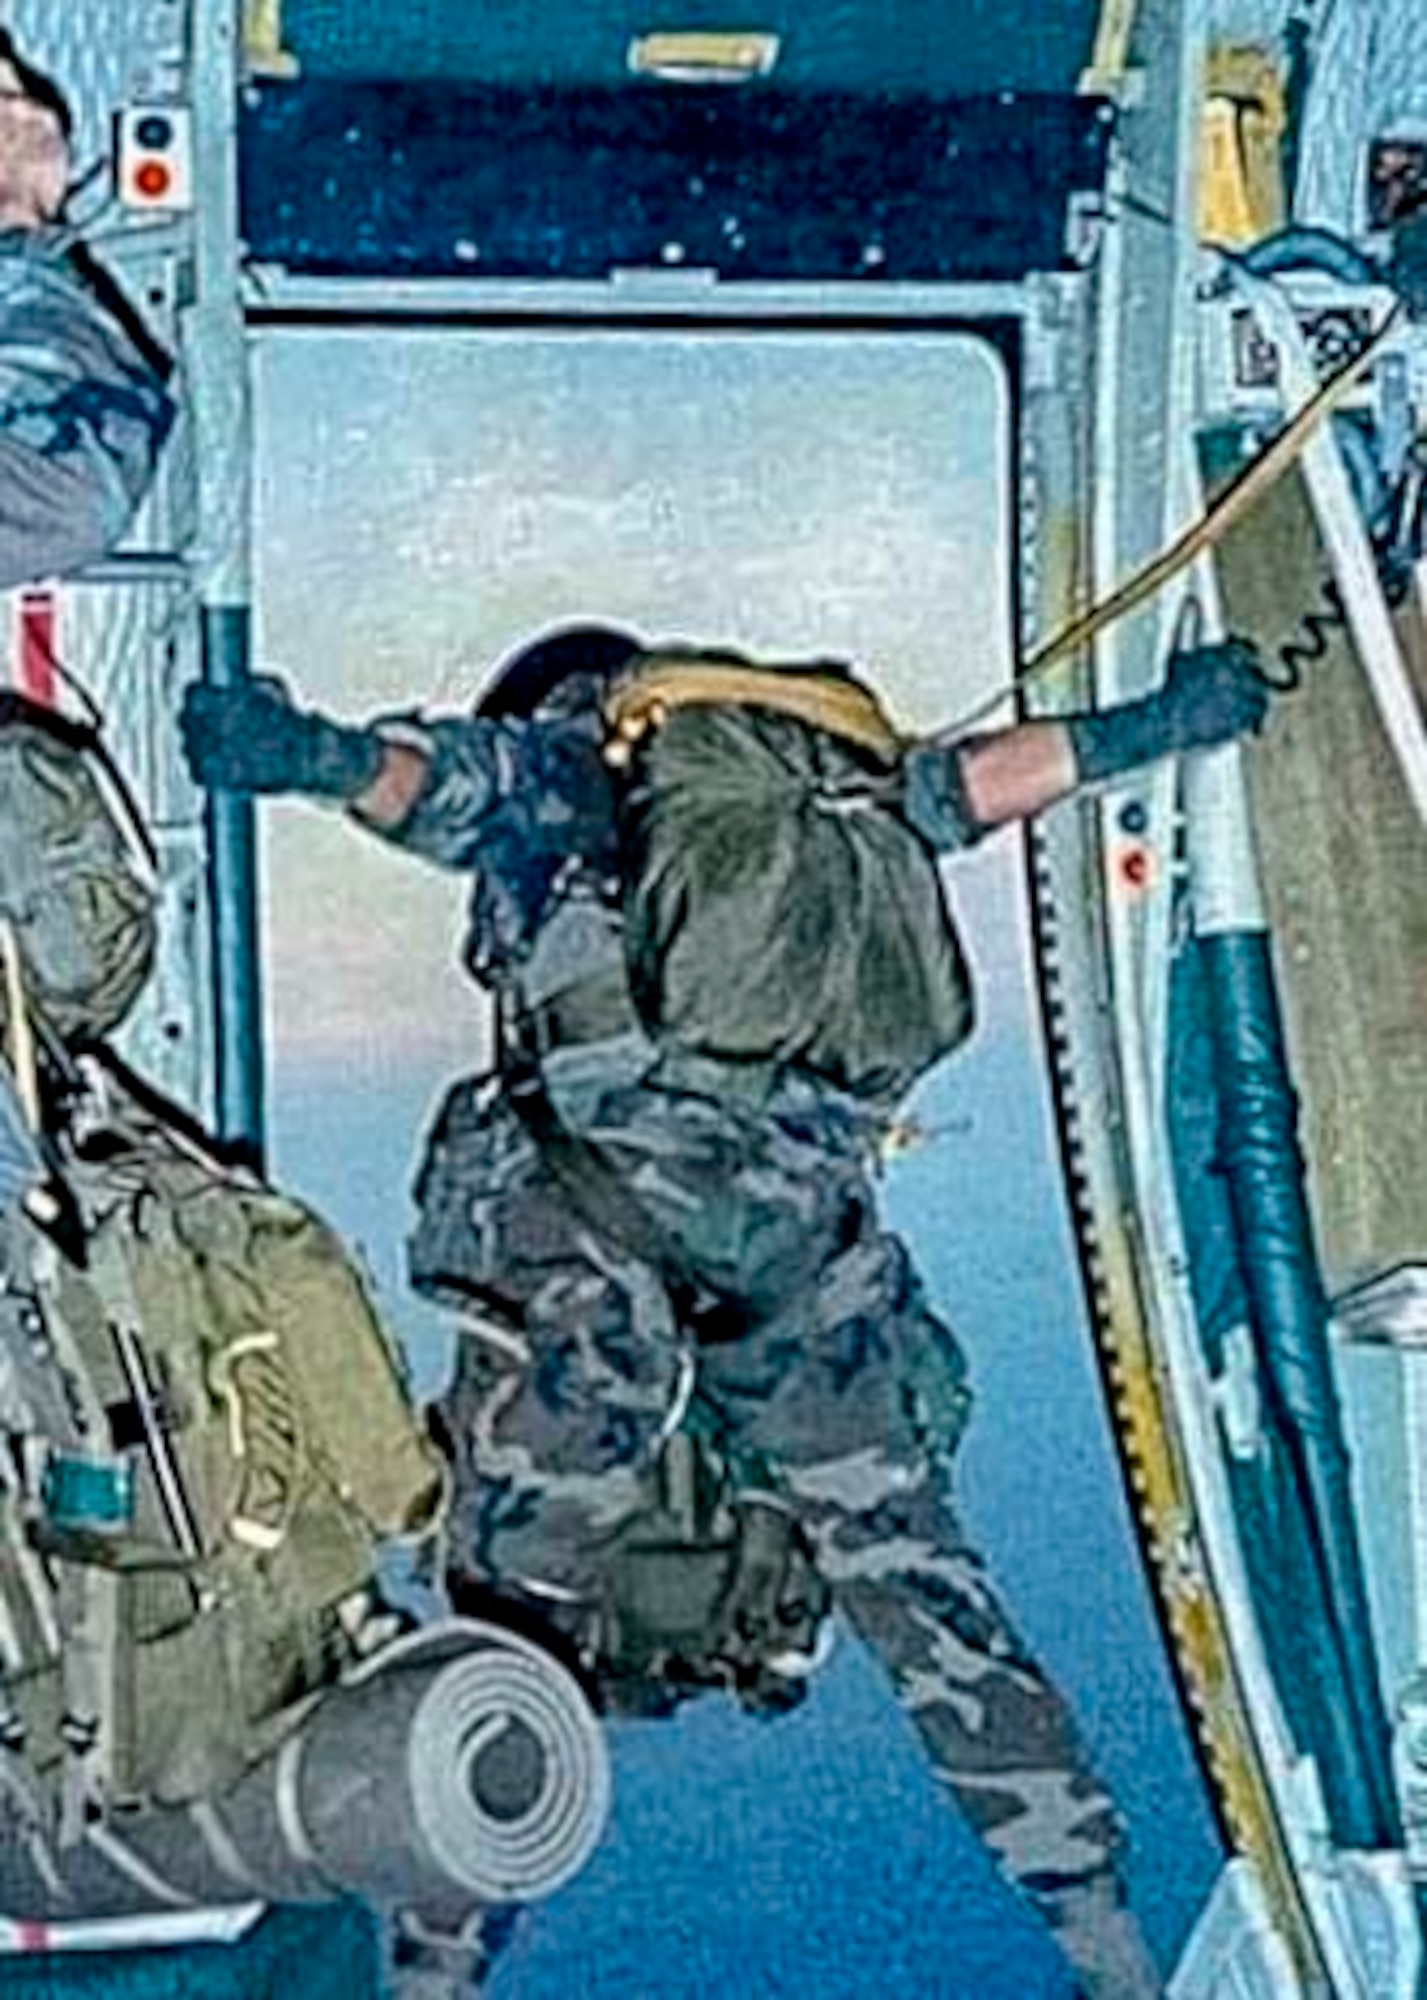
{"type": "Point", "coordinates": [154, 157]}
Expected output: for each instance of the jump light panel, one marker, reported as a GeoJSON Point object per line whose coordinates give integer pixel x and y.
{"type": "Point", "coordinates": [154, 158]}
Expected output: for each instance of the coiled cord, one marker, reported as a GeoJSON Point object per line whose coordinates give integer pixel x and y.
{"type": "Point", "coordinates": [1309, 641]}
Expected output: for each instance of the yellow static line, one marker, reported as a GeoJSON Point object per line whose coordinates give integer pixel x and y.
{"type": "Point", "coordinates": [1236, 499]}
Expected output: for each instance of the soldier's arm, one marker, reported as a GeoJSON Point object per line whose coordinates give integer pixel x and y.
{"type": "Point", "coordinates": [83, 405]}
{"type": "Point", "coordinates": [958, 792]}
{"type": "Point", "coordinates": [387, 802]}
{"type": "Point", "coordinates": [433, 786]}
{"type": "Point", "coordinates": [1017, 772]}
{"type": "Point", "coordinates": [55, 515]}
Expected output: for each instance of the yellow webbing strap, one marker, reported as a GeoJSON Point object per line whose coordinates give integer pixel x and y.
{"type": "Point", "coordinates": [664, 682]}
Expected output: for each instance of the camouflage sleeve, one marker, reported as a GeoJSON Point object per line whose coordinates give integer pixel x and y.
{"type": "Point", "coordinates": [54, 516]}
{"type": "Point", "coordinates": [502, 792]}
{"type": "Point", "coordinates": [935, 800]}
{"type": "Point", "coordinates": [82, 419]}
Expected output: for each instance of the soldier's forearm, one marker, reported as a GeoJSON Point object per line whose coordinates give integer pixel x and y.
{"type": "Point", "coordinates": [435, 786]}
{"type": "Point", "coordinates": [387, 803]}
{"type": "Point", "coordinates": [1017, 772]}
{"type": "Point", "coordinates": [958, 793]}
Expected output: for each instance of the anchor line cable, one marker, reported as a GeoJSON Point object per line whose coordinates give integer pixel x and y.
{"type": "Point", "coordinates": [1246, 487]}
{"type": "Point", "coordinates": [1309, 640]}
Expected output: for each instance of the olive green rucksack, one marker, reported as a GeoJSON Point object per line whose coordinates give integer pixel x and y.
{"type": "Point", "coordinates": [211, 1440]}
{"type": "Point", "coordinates": [780, 910]}
{"type": "Point", "coordinates": [77, 888]}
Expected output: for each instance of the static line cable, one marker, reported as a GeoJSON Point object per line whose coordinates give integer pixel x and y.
{"type": "Point", "coordinates": [1247, 486]}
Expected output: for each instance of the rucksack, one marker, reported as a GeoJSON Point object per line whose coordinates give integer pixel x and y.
{"type": "Point", "coordinates": [208, 1442]}
{"type": "Point", "coordinates": [78, 891]}
{"type": "Point", "coordinates": [779, 909]}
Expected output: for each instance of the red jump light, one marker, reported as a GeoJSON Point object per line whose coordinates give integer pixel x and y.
{"type": "Point", "coordinates": [1136, 868]}
{"type": "Point", "coordinates": [154, 157]}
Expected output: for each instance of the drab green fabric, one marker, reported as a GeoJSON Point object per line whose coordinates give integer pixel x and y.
{"type": "Point", "coordinates": [232, 1288]}
{"type": "Point", "coordinates": [781, 910]}
{"type": "Point", "coordinates": [725, 1597]}
{"type": "Point", "coordinates": [84, 919]}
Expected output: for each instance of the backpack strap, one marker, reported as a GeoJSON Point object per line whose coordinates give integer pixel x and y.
{"type": "Point", "coordinates": [85, 1598]}
{"type": "Point", "coordinates": [86, 739]}
{"type": "Point", "coordinates": [597, 1193]}
{"type": "Point", "coordinates": [821, 696]}
{"type": "Point", "coordinates": [15, 1012]}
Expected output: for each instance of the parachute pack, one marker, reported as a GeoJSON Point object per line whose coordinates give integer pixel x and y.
{"type": "Point", "coordinates": [204, 1436]}
{"type": "Point", "coordinates": [711, 1584]}
{"type": "Point", "coordinates": [779, 908]}
{"type": "Point", "coordinates": [207, 1438]}
{"type": "Point", "coordinates": [77, 889]}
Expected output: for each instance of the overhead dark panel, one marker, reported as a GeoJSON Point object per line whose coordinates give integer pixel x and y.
{"type": "Point", "coordinates": [946, 47]}
{"type": "Point", "coordinates": [442, 179]}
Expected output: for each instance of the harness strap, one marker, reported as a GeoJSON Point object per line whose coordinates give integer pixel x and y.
{"type": "Point", "coordinates": [593, 1009]}
{"type": "Point", "coordinates": [822, 699]}
{"type": "Point", "coordinates": [598, 1194]}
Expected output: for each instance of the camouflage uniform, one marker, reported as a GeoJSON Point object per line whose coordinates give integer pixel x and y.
{"type": "Point", "coordinates": [82, 414]}
{"type": "Point", "coordinates": [840, 1382]}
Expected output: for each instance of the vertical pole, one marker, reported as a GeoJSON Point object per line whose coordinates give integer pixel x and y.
{"type": "Point", "coordinates": [233, 913]}
{"type": "Point", "coordinates": [216, 357]}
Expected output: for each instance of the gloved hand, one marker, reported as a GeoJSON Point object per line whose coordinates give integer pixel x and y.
{"type": "Point", "coordinates": [252, 738]}
{"type": "Point", "coordinates": [1211, 694]}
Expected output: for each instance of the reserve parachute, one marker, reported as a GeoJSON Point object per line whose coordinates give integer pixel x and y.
{"type": "Point", "coordinates": [207, 1441]}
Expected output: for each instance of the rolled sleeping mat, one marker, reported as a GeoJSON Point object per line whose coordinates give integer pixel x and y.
{"type": "Point", "coordinates": [460, 1766]}
{"type": "Point", "coordinates": [464, 1758]}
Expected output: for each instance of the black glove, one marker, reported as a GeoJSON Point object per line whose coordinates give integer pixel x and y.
{"type": "Point", "coordinates": [251, 738]}
{"type": "Point", "coordinates": [1211, 694]}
